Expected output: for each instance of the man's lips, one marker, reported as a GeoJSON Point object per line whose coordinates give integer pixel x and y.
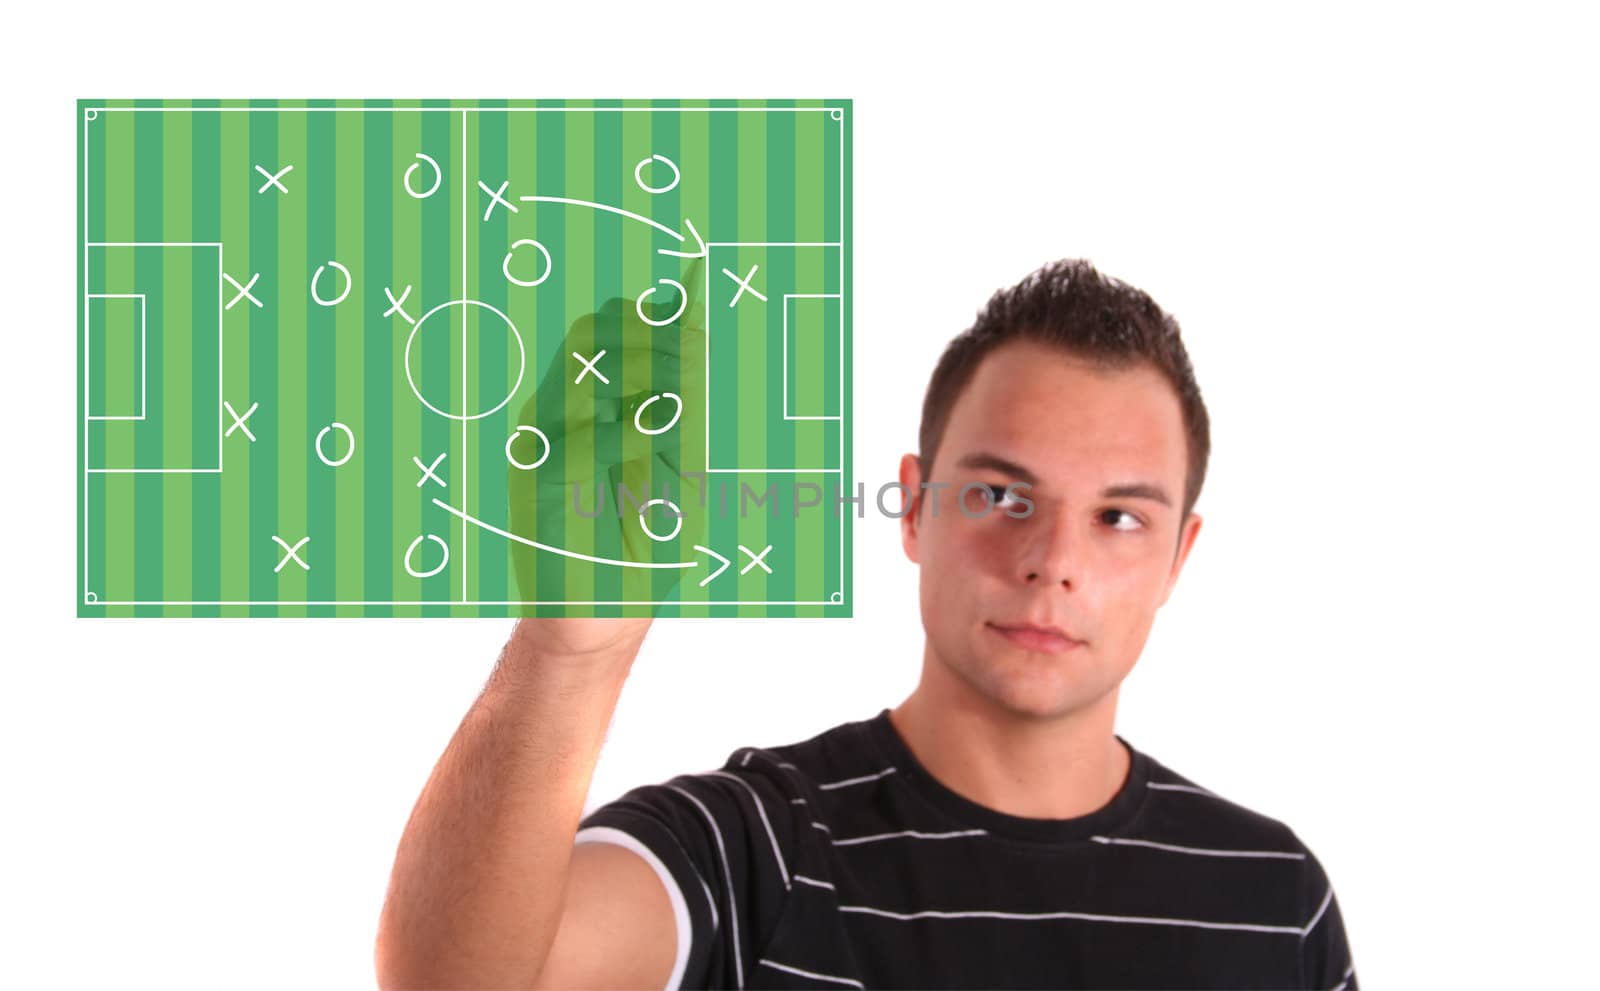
{"type": "Point", "coordinates": [1044, 639]}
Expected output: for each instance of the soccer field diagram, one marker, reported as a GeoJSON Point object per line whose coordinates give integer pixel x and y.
{"type": "Point", "coordinates": [465, 358]}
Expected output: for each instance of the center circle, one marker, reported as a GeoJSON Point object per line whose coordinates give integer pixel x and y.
{"type": "Point", "coordinates": [469, 335]}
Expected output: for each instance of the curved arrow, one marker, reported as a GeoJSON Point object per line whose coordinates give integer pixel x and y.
{"type": "Point", "coordinates": [700, 243]}
{"type": "Point", "coordinates": [586, 557]}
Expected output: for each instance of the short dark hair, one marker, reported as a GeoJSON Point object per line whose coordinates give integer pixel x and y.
{"type": "Point", "coordinates": [1070, 305]}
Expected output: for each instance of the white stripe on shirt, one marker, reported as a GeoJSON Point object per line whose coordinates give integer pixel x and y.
{"type": "Point", "coordinates": [783, 869]}
{"type": "Point", "coordinates": [1089, 916]}
{"type": "Point", "coordinates": [911, 833]}
{"type": "Point", "coordinates": [830, 785]}
{"type": "Point", "coordinates": [1318, 917]}
{"type": "Point", "coordinates": [810, 973]}
{"type": "Point", "coordinates": [727, 873]}
{"type": "Point", "coordinates": [1121, 841]}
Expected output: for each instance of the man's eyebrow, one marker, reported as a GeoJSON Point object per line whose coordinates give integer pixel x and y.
{"type": "Point", "coordinates": [983, 459]}
{"type": "Point", "coordinates": [1138, 490]}
{"type": "Point", "coordinates": [1127, 490]}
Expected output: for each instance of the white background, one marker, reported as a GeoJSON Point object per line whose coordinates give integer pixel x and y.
{"type": "Point", "coordinates": [1378, 229]}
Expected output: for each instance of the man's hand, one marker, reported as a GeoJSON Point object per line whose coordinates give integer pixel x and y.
{"type": "Point", "coordinates": [598, 445]}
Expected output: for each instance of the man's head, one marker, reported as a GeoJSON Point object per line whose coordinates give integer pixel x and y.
{"type": "Point", "coordinates": [1079, 386]}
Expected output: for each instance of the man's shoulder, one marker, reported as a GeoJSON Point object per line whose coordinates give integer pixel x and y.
{"type": "Point", "coordinates": [838, 751]}
{"type": "Point", "coordinates": [1181, 806]}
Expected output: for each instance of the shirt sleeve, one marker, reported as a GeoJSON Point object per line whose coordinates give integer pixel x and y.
{"type": "Point", "coordinates": [722, 843]}
{"type": "Point", "coordinates": [1325, 959]}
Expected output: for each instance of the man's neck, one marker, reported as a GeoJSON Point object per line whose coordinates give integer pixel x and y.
{"type": "Point", "coordinates": [1037, 769]}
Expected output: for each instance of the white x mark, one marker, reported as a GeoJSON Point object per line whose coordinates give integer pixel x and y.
{"type": "Point", "coordinates": [244, 290]}
{"type": "Point", "coordinates": [588, 366]}
{"type": "Point", "coordinates": [427, 471]}
{"type": "Point", "coordinates": [272, 180]}
{"type": "Point", "coordinates": [744, 285]}
{"type": "Point", "coordinates": [756, 559]}
{"type": "Point", "coordinates": [495, 197]}
{"type": "Point", "coordinates": [238, 421]}
{"type": "Point", "coordinates": [289, 553]}
{"type": "Point", "coordinates": [395, 306]}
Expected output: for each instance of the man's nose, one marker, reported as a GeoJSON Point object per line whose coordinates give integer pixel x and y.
{"type": "Point", "coordinates": [1051, 550]}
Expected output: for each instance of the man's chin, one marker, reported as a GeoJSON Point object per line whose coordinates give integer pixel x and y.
{"type": "Point", "coordinates": [1029, 700]}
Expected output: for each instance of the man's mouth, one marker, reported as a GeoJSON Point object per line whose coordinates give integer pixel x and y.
{"type": "Point", "coordinates": [1043, 639]}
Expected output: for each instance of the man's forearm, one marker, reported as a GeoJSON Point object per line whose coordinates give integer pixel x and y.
{"type": "Point", "coordinates": [477, 889]}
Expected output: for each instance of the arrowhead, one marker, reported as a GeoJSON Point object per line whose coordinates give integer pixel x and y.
{"type": "Point", "coordinates": [700, 244]}
{"type": "Point", "coordinates": [708, 551]}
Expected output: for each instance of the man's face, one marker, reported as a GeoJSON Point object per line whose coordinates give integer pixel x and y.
{"type": "Point", "coordinates": [1094, 564]}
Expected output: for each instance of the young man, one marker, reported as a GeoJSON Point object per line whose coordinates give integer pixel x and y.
{"type": "Point", "coordinates": [992, 830]}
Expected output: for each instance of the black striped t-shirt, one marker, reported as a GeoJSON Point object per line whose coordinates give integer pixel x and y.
{"type": "Point", "coordinates": [841, 862]}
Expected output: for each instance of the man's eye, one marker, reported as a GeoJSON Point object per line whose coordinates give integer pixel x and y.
{"type": "Point", "coordinates": [1132, 520]}
{"type": "Point", "coordinates": [1000, 494]}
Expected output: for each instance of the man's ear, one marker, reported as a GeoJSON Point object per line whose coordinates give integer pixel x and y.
{"type": "Point", "coordinates": [1191, 530]}
{"type": "Point", "coordinates": [911, 479]}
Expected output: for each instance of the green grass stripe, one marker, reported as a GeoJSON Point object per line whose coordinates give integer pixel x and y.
{"type": "Point", "coordinates": [239, 352]}
{"type": "Point", "coordinates": [93, 488]}
{"type": "Point", "coordinates": [540, 155]}
{"type": "Point", "coordinates": [578, 246]}
{"type": "Point", "coordinates": [471, 323]}
{"type": "Point", "coordinates": [646, 135]}
{"type": "Point", "coordinates": [438, 348]}
{"type": "Point", "coordinates": [846, 237]}
{"type": "Point", "coordinates": [205, 524]}
{"type": "Point", "coordinates": [148, 265]}
{"type": "Point", "coordinates": [181, 328]}
{"type": "Point", "coordinates": [688, 134]}
{"type": "Point", "coordinates": [779, 225]}
{"type": "Point", "coordinates": [613, 450]}
{"type": "Point", "coordinates": [724, 343]}
{"type": "Point", "coordinates": [381, 463]}
{"type": "Point", "coordinates": [284, 409]}
{"type": "Point", "coordinates": [321, 356]}
{"type": "Point", "coordinates": [267, 329]}
{"type": "Point", "coordinates": [491, 374]}
{"type": "Point", "coordinates": [752, 319]}
{"type": "Point", "coordinates": [405, 411]}
{"type": "Point", "coordinates": [819, 527]}
{"type": "Point", "coordinates": [80, 563]}
{"type": "Point", "coordinates": [348, 357]}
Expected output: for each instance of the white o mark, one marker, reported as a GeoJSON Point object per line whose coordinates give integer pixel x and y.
{"type": "Point", "coordinates": [836, 597]}
{"type": "Point", "coordinates": [646, 405]}
{"type": "Point", "coordinates": [317, 276]}
{"type": "Point", "coordinates": [90, 115]}
{"type": "Point", "coordinates": [89, 597]}
{"type": "Point", "coordinates": [675, 527]}
{"type": "Point", "coordinates": [438, 176]}
{"type": "Point", "coordinates": [837, 115]}
{"type": "Point", "coordinates": [505, 266]}
{"type": "Point", "coordinates": [413, 572]}
{"type": "Point", "coordinates": [532, 430]}
{"type": "Point", "coordinates": [637, 177]}
{"type": "Point", "coordinates": [683, 300]}
{"type": "Point", "coordinates": [349, 435]}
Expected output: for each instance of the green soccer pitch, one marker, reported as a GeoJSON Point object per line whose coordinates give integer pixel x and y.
{"type": "Point", "coordinates": [465, 358]}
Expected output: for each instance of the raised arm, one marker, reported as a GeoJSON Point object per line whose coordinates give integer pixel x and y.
{"type": "Point", "coordinates": [487, 889]}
